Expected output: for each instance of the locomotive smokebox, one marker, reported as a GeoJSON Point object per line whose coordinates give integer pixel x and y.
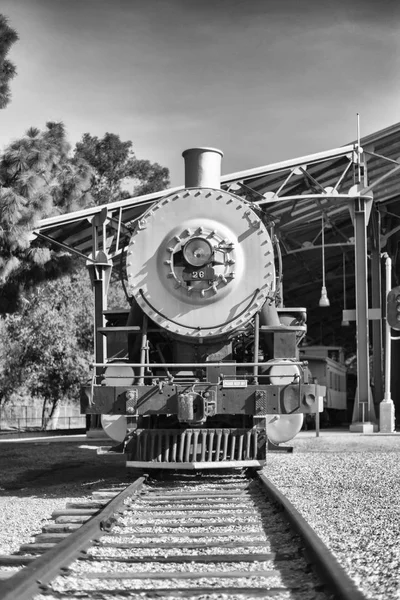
{"type": "Point", "coordinates": [202, 167]}
{"type": "Point", "coordinates": [200, 262]}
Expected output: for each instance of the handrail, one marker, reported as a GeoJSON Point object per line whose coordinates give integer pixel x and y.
{"type": "Point", "coordinates": [283, 362]}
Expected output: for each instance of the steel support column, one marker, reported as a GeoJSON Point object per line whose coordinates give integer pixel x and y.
{"type": "Point", "coordinates": [376, 302]}
{"type": "Point", "coordinates": [99, 267]}
{"type": "Point", "coordinates": [100, 305]}
{"type": "Point", "coordinates": [363, 413]}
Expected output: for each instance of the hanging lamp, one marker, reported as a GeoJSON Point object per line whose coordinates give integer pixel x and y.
{"type": "Point", "coordinates": [324, 300]}
{"type": "Point", "coordinates": [345, 323]}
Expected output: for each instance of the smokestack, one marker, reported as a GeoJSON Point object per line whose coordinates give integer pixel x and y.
{"type": "Point", "coordinates": [202, 167]}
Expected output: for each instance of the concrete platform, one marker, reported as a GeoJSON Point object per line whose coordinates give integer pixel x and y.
{"type": "Point", "coordinates": [343, 440]}
{"type": "Point", "coordinates": [29, 439]}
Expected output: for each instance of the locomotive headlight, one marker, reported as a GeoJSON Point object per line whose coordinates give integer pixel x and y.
{"type": "Point", "coordinates": [197, 252]}
{"type": "Point", "coordinates": [283, 373]}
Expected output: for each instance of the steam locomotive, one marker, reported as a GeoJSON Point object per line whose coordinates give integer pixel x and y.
{"type": "Point", "coordinates": [203, 369]}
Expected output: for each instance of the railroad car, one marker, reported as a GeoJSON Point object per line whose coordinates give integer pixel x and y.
{"type": "Point", "coordinates": [203, 370]}
{"type": "Point", "coordinates": [327, 365]}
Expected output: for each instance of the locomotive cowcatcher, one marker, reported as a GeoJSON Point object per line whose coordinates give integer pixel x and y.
{"type": "Point", "coordinates": [202, 369]}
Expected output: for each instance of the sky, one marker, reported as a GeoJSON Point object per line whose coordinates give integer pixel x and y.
{"type": "Point", "coordinates": [263, 80]}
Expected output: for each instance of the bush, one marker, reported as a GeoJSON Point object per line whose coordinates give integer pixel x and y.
{"type": "Point", "coordinates": [46, 347]}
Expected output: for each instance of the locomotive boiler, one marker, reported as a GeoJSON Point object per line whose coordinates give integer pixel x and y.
{"type": "Point", "coordinates": [204, 368]}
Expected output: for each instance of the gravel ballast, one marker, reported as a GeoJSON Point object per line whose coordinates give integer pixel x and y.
{"type": "Point", "coordinates": [347, 486]}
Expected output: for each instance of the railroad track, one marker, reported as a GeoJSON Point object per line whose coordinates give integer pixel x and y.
{"type": "Point", "coordinates": [211, 536]}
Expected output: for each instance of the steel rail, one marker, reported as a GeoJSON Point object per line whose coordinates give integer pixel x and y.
{"type": "Point", "coordinates": [28, 582]}
{"type": "Point", "coordinates": [328, 567]}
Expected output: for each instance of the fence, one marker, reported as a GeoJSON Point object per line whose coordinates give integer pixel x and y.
{"type": "Point", "coordinates": [27, 417]}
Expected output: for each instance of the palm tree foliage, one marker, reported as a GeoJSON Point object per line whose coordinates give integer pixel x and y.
{"type": "Point", "coordinates": [7, 69]}
{"type": "Point", "coordinates": [38, 178]}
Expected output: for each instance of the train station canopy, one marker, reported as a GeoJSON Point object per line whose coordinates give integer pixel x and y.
{"type": "Point", "coordinates": [309, 201]}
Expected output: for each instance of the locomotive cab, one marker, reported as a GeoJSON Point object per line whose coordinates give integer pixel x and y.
{"type": "Point", "coordinates": [204, 366]}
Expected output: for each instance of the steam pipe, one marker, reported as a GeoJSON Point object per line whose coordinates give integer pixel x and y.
{"type": "Point", "coordinates": [256, 345]}
{"type": "Point", "coordinates": [143, 350]}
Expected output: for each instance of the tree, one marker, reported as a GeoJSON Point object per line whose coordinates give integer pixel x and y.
{"type": "Point", "coordinates": [7, 69]}
{"type": "Point", "coordinates": [46, 346]}
{"type": "Point", "coordinates": [114, 162]}
{"type": "Point", "coordinates": [47, 329]}
{"type": "Point", "coordinates": [38, 179]}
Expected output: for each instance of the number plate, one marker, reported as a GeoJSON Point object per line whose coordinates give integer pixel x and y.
{"type": "Point", "coordinates": [234, 383]}
{"type": "Point", "coordinates": [203, 274]}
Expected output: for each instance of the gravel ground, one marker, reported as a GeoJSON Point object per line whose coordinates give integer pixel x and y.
{"type": "Point", "coordinates": [345, 485]}
{"type": "Point", "coordinates": [40, 476]}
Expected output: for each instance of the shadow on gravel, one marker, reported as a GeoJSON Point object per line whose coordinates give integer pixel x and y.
{"type": "Point", "coordinates": [58, 473]}
{"type": "Point", "coordinates": [52, 469]}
